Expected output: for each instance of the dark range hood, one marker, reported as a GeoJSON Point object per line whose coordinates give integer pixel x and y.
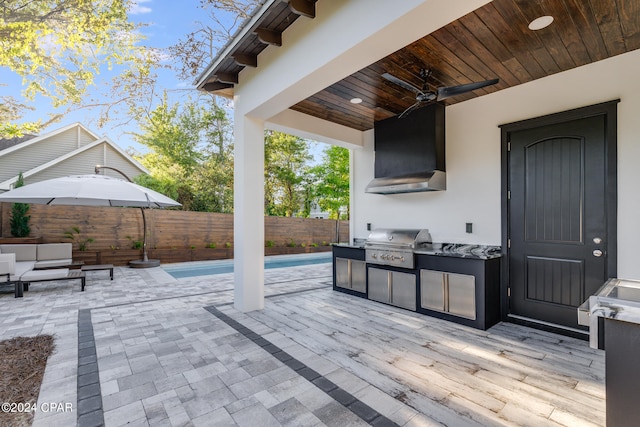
{"type": "Point", "coordinates": [409, 153]}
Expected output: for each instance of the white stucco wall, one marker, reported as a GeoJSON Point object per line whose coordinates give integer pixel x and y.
{"type": "Point", "coordinates": [473, 159]}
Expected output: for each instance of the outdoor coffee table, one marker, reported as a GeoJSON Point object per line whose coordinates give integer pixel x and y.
{"type": "Point", "coordinates": [74, 265]}
{"type": "Point", "coordinates": [99, 267]}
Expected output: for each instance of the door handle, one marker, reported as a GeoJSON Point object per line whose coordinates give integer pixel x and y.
{"type": "Point", "coordinates": [597, 253]}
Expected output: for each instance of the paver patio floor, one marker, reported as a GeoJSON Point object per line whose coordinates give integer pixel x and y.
{"type": "Point", "coordinates": [170, 352]}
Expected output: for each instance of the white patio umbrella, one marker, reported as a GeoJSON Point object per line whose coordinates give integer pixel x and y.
{"type": "Point", "coordinates": [93, 190]}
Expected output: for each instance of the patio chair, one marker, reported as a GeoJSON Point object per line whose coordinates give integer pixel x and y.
{"type": "Point", "coordinates": [23, 279]}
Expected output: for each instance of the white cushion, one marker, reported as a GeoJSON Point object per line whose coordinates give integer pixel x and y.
{"type": "Point", "coordinates": [21, 268]}
{"type": "Point", "coordinates": [54, 251]}
{"type": "Point", "coordinates": [7, 264]}
{"type": "Point", "coordinates": [53, 263]}
{"type": "Point", "coordinates": [42, 275]}
{"type": "Point", "coordinates": [23, 252]}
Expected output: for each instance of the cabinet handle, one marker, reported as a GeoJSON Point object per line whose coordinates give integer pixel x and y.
{"type": "Point", "coordinates": [446, 292]}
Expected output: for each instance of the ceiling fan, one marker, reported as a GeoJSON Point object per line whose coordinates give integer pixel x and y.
{"type": "Point", "coordinates": [425, 96]}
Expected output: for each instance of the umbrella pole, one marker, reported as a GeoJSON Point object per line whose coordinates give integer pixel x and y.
{"type": "Point", "coordinates": [145, 258]}
{"type": "Point", "coordinates": [145, 262]}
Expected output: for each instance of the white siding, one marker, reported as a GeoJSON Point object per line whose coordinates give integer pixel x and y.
{"type": "Point", "coordinates": [83, 163]}
{"type": "Point", "coordinates": [85, 138]}
{"type": "Point", "coordinates": [118, 161]}
{"type": "Point", "coordinates": [34, 155]}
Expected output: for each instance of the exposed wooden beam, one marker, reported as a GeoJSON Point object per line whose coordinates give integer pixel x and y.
{"type": "Point", "coordinates": [269, 37]}
{"type": "Point", "coordinates": [229, 78]}
{"type": "Point", "coordinates": [215, 86]}
{"type": "Point", "coordinates": [303, 8]}
{"type": "Point", "coordinates": [246, 60]}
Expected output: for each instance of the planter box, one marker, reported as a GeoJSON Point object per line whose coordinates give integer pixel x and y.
{"type": "Point", "coordinates": [205, 254]}
{"type": "Point", "coordinates": [119, 256]}
{"type": "Point", "coordinates": [170, 255]}
{"type": "Point", "coordinates": [20, 240]}
{"type": "Point", "coordinates": [88, 257]}
{"type": "Point", "coordinates": [286, 250]}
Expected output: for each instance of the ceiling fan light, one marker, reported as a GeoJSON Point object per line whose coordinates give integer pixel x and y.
{"type": "Point", "coordinates": [356, 100]}
{"type": "Point", "coordinates": [540, 23]}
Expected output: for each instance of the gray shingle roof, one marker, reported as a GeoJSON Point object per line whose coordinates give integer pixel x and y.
{"type": "Point", "coordinates": [10, 142]}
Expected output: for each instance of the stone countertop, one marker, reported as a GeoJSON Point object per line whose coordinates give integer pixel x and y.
{"type": "Point", "coordinates": [347, 245]}
{"type": "Point", "coordinates": [617, 299]}
{"type": "Point", "coordinates": [463, 250]}
{"type": "Point", "coordinates": [458, 250]}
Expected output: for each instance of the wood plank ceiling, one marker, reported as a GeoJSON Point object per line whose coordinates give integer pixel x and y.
{"type": "Point", "coordinates": [493, 41]}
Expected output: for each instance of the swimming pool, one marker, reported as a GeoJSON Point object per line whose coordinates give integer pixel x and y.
{"type": "Point", "coordinates": [205, 268]}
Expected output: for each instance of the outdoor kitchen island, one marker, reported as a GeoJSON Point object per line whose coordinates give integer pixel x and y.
{"type": "Point", "coordinates": [459, 283]}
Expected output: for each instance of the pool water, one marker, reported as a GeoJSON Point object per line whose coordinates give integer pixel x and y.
{"type": "Point", "coordinates": [205, 268]}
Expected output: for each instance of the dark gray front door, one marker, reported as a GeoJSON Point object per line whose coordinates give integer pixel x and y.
{"type": "Point", "coordinates": [557, 218]}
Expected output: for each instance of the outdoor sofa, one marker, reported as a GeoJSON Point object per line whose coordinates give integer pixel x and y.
{"type": "Point", "coordinates": [25, 263]}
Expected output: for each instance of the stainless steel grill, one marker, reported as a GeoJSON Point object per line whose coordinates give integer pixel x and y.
{"type": "Point", "coordinates": [395, 247]}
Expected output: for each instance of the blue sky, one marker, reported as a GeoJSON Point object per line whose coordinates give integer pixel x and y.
{"type": "Point", "coordinates": [167, 22]}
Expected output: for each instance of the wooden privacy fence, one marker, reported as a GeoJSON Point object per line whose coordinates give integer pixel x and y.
{"type": "Point", "coordinates": [172, 236]}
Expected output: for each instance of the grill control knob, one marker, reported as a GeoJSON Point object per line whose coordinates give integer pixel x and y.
{"type": "Point", "coordinates": [374, 256]}
{"type": "Point", "coordinates": [402, 259]}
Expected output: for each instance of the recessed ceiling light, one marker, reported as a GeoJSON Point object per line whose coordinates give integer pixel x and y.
{"type": "Point", "coordinates": [540, 23]}
{"type": "Point", "coordinates": [356, 100]}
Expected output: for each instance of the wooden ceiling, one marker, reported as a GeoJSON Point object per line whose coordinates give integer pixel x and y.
{"type": "Point", "coordinates": [491, 42]}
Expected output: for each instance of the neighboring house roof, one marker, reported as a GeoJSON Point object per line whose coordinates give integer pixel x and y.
{"type": "Point", "coordinates": [10, 142]}
{"type": "Point", "coordinates": [70, 150]}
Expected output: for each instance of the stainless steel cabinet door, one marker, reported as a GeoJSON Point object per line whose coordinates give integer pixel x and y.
{"type": "Point", "coordinates": [403, 290]}
{"type": "Point", "coordinates": [432, 285]}
{"type": "Point", "coordinates": [462, 295]}
{"type": "Point", "coordinates": [448, 292]}
{"type": "Point", "coordinates": [379, 285]}
{"type": "Point", "coordinates": [342, 273]}
{"type": "Point", "coordinates": [359, 276]}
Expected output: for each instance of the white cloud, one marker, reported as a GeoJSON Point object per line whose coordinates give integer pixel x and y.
{"type": "Point", "coordinates": [138, 9]}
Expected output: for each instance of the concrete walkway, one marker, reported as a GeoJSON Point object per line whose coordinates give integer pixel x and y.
{"type": "Point", "coordinates": [150, 350]}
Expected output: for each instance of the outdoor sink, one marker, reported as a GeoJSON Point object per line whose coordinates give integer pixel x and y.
{"type": "Point", "coordinates": [628, 290]}
{"type": "Point", "coordinates": [617, 299]}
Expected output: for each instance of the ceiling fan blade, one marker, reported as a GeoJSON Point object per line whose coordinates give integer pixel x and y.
{"type": "Point", "coordinates": [408, 111]}
{"type": "Point", "coordinates": [402, 83]}
{"type": "Point", "coordinates": [447, 92]}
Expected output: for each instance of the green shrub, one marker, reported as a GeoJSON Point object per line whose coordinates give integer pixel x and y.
{"type": "Point", "coordinates": [19, 219]}
{"type": "Point", "coordinates": [75, 235]}
{"type": "Point", "coordinates": [270, 243]}
{"type": "Point", "coordinates": [211, 245]}
{"type": "Point", "coordinates": [135, 244]}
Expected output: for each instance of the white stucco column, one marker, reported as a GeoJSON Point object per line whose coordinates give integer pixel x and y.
{"type": "Point", "coordinates": [248, 226]}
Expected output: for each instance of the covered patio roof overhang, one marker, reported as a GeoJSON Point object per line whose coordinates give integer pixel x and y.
{"type": "Point", "coordinates": [296, 64]}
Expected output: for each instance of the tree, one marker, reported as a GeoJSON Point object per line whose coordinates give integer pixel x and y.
{"type": "Point", "coordinates": [191, 157]}
{"type": "Point", "coordinates": [19, 219]}
{"type": "Point", "coordinates": [331, 188]}
{"type": "Point", "coordinates": [286, 158]}
{"type": "Point", "coordinates": [198, 48]}
{"type": "Point", "coordinates": [59, 47]}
